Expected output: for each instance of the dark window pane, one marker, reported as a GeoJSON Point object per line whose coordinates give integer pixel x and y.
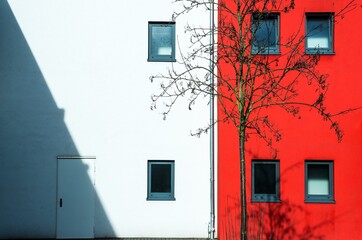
{"type": "Point", "coordinates": [265, 178]}
{"type": "Point", "coordinates": [265, 33]}
{"type": "Point", "coordinates": [161, 178]}
{"type": "Point", "coordinates": [318, 179]}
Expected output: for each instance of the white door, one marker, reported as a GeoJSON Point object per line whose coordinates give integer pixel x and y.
{"type": "Point", "coordinates": [75, 198]}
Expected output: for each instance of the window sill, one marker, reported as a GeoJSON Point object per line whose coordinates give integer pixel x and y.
{"type": "Point", "coordinates": [312, 52]}
{"type": "Point", "coordinates": [327, 201]}
{"type": "Point", "coordinates": [266, 200]}
{"type": "Point", "coordinates": [161, 199]}
{"type": "Point", "coordinates": [266, 53]}
{"type": "Point", "coordinates": [161, 60]}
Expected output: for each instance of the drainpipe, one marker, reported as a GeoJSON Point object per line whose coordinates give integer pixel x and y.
{"type": "Point", "coordinates": [212, 152]}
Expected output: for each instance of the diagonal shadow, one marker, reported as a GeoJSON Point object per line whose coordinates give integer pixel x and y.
{"type": "Point", "coordinates": [32, 135]}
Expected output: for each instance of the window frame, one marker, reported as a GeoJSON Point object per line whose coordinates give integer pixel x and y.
{"type": "Point", "coordinates": [266, 197]}
{"type": "Point", "coordinates": [162, 58]}
{"type": "Point", "coordinates": [266, 50]}
{"type": "Point", "coordinates": [314, 198]}
{"type": "Point", "coordinates": [324, 15]}
{"type": "Point", "coordinates": [160, 196]}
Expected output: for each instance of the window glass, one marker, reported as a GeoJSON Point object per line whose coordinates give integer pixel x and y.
{"type": "Point", "coordinates": [266, 33]}
{"type": "Point", "coordinates": [265, 176]}
{"type": "Point", "coordinates": [161, 41]}
{"type": "Point", "coordinates": [160, 177]}
{"type": "Point", "coordinates": [318, 33]}
{"type": "Point", "coordinates": [318, 179]}
{"type": "Point", "coordinates": [265, 181]}
{"type": "Point", "coordinates": [160, 181]}
{"type": "Point", "coordinates": [319, 37]}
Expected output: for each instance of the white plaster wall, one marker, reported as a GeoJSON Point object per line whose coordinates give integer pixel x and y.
{"type": "Point", "coordinates": [92, 55]}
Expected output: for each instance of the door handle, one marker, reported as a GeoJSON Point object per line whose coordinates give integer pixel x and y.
{"type": "Point", "coordinates": [61, 202]}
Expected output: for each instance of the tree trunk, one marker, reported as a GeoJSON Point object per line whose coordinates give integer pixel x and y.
{"type": "Point", "coordinates": [243, 227]}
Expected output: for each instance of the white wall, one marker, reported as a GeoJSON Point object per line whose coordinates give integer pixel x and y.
{"type": "Point", "coordinates": [76, 82]}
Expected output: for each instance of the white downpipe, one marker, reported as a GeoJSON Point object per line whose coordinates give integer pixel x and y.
{"type": "Point", "coordinates": [212, 140]}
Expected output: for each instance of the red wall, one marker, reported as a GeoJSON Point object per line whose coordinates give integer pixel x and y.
{"type": "Point", "coordinates": [307, 138]}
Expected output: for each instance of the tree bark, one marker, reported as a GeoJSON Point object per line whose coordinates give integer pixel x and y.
{"type": "Point", "coordinates": [243, 228]}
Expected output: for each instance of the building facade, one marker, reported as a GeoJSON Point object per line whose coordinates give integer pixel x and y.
{"type": "Point", "coordinates": [82, 155]}
{"type": "Point", "coordinates": [310, 189]}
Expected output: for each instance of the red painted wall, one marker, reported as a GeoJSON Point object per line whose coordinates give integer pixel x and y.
{"type": "Point", "coordinates": [307, 138]}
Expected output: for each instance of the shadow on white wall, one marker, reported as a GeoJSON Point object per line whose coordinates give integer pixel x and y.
{"type": "Point", "coordinates": [32, 135]}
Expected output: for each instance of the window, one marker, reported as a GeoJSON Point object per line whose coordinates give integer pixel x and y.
{"type": "Point", "coordinates": [265, 34]}
{"type": "Point", "coordinates": [265, 181]}
{"type": "Point", "coordinates": [160, 180]}
{"type": "Point", "coordinates": [319, 181]}
{"type": "Point", "coordinates": [319, 33]}
{"type": "Point", "coordinates": [161, 42]}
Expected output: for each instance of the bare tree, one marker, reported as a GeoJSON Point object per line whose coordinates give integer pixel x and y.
{"type": "Point", "coordinates": [256, 71]}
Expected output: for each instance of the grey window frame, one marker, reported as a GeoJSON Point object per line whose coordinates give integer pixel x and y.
{"type": "Point", "coordinates": [161, 58]}
{"type": "Point", "coordinates": [325, 15]}
{"type": "Point", "coordinates": [266, 197]}
{"type": "Point", "coordinates": [163, 196]}
{"type": "Point", "coordinates": [266, 50]}
{"type": "Point", "coordinates": [313, 198]}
